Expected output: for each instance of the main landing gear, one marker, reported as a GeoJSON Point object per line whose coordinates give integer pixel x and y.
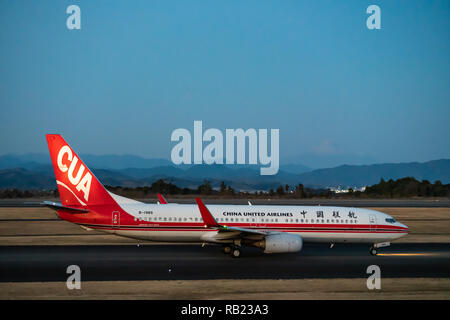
{"type": "Point", "coordinates": [236, 252]}
{"type": "Point", "coordinates": [233, 250]}
{"type": "Point", "coordinates": [226, 249]}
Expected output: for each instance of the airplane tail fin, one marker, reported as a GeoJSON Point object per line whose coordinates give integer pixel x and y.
{"type": "Point", "coordinates": [77, 185]}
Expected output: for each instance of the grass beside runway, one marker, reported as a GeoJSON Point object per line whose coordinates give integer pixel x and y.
{"type": "Point", "coordinates": [315, 289]}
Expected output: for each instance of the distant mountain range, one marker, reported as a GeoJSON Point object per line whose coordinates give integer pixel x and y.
{"type": "Point", "coordinates": [33, 171]}
{"type": "Point", "coordinates": [114, 162]}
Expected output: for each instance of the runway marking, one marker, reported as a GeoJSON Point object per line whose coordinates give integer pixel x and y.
{"type": "Point", "coordinates": [423, 254]}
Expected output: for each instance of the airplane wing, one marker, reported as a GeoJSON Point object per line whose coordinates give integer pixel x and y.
{"type": "Point", "coordinates": [223, 232]}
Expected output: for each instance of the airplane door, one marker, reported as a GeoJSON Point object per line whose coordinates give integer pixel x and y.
{"type": "Point", "coordinates": [115, 219]}
{"type": "Point", "coordinates": [373, 222]}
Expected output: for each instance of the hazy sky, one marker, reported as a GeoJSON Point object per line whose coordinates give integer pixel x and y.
{"type": "Point", "coordinates": [137, 70]}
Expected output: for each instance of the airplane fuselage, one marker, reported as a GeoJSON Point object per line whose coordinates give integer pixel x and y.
{"type": "Point", "coordinates": [183, 222]}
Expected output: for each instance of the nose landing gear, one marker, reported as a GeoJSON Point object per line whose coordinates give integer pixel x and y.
{"type": "Point", "coordinates": [373, 249]}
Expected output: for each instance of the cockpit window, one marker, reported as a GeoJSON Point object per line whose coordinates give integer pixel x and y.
{"type": "Point", "coordinates": [390, 220]}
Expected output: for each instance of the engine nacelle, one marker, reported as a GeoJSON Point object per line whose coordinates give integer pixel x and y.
{"type": "Point", "coordinates": [280, 243]}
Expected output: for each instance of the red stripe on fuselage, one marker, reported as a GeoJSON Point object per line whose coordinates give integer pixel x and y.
{"type": "Point", "coordinates": [281, 227]}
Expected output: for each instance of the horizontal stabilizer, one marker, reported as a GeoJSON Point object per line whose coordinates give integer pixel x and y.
{"type": "Point", "coordinates": [59, 206]}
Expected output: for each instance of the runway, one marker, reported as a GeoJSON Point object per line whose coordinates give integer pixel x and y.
{"type": "Point", "coordinates": [193, 262]}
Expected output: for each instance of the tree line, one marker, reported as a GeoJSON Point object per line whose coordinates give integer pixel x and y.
{"type": "Point", "coordinates": [401, 188]}
{"type": "Point", "coordinates": [408, 187]}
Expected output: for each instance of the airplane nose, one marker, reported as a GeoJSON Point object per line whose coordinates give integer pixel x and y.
{"type": "Point", "coordinates": [404, 226]}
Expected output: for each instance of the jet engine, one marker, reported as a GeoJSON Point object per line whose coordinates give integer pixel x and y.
{"type": "Point", "coordinates": [280, 243]}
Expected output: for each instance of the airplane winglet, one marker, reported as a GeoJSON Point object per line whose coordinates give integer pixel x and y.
{"type": "Point", "coordinates": [161, 198]}
{"type": "Point", "coordinates": [207, 217]}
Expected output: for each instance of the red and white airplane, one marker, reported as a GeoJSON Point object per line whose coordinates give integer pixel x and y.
{"type": "Point", "coordinates": [275, 229]}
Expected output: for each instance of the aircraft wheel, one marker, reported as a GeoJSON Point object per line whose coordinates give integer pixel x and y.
{"type": "Point", "coordinates": [226, 249]}
{"type": "Point", "coordinates": [373, 251]}
{"type": "Point", "coordinates": [236, 253]}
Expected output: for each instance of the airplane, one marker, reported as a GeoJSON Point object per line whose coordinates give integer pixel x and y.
{"type": "Point", "coordinates": [274, 229]}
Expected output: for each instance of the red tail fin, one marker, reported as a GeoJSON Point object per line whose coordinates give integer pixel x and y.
{"type": "Point", "coordinates": [77, 186]}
